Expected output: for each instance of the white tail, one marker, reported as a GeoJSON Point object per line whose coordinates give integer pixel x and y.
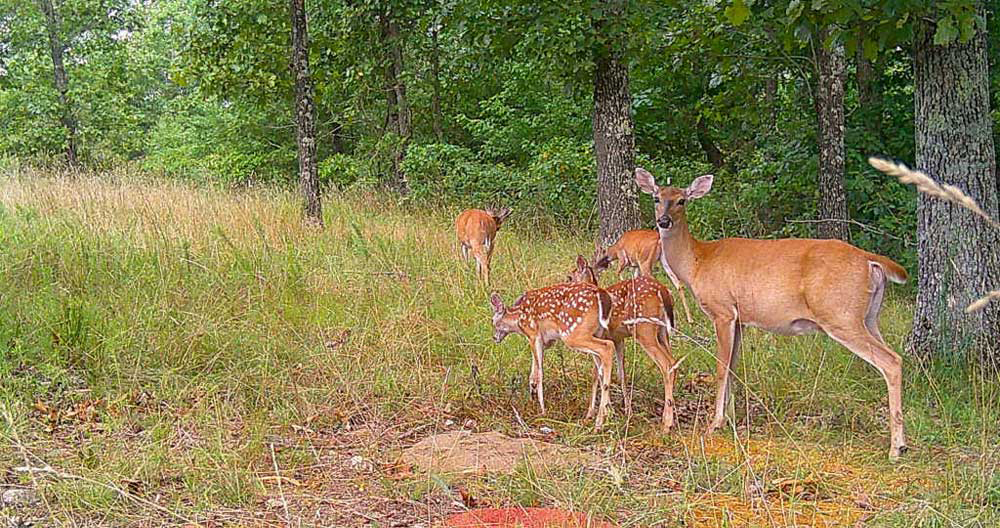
{"type": "Point", "coordinates": [788, 286]}
{"type": "Point", "coordinates": [574, 313]}
{"type": "Point", "coordinates": [477, 231]}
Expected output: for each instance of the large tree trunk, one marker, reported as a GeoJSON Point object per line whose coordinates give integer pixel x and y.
{"type": "Point", "coordinates": [614, 142]}
{"type": "Point", "coordinates": [305, 114]}
{"type": "Point", "coordinates": [436, 85]}
{"type": "Point", "coordinates": [398, 110]}
{"type": "Point", "coordinates": [958, 253]}
{"type": "Point", "coordinates": [57, 48]}
{"type": "Point", "coordinates": [832, 207]}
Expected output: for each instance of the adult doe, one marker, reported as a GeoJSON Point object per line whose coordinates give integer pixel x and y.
{"type": "Point", "coordinates": [786, 286]}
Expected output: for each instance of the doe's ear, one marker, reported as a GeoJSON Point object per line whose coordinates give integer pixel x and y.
{"type": "Point", "coordinates": [645, 180]}
{"type": "Point", "coordinates": [496, 302]}
{"type": "Point", "coordinates": [699, 187]}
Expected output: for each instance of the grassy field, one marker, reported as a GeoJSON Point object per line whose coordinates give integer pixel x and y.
{"type": "Point", "coordinates": [180, 355]}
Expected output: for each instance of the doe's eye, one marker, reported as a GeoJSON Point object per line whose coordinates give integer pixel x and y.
{"type": "Point", "coordinates": [656, 199]}
{"type": "Point", "coordinates": [680, 202]}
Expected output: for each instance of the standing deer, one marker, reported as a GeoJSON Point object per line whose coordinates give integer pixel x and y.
{"type": "Point", "coordinates": [477, 231]}
{"type": "Point", "coordinates": [640, 249]}
{"type": "Point", "coordinates": [574, 313]}
{"type": "Point", "coordinates": [786, 286]}
{"type": "Point", "coordinates": [641, 308]}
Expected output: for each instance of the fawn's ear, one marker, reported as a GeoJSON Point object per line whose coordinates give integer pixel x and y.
{"type": "Point", "coordinates": [496, 302]}
{"type": "Point", "coordinates": [581, 263]}
{"type": "Point", "coordinates": [645, 180]}
{"type": "Point", "coordinates": [699, 187]}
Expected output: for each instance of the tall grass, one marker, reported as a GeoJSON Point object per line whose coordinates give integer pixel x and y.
{"type": "Point", "coordinates": [207, 322]}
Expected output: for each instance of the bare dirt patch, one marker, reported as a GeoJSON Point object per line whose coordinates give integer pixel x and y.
{"type": "Point", "coordinates": [465, 452]}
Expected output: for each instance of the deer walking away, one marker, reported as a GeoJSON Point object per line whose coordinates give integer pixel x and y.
{"type": "Point", "coordinates": [477, 231]}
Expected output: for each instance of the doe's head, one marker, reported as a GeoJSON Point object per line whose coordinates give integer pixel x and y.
{"type": "Point", "coordinates": [669, 202]}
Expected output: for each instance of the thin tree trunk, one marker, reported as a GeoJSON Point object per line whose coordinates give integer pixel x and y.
{"type": "Point", "coordinates": [614, 142]}
{"type": "Point", "coordinates": [305, 114]}
{"type": "Point", "coordinates": [57, 48]}
{"type": "Point", "coordinates": [436, 84]}
{"type": "Point", "coordinates": [958, 253]}
{"type": "Point", "coordinates": [771, 99]}
{"type": "Point", "coordinates": [398, 111]}
{"type": "Point", "coordinates": [832, 205]}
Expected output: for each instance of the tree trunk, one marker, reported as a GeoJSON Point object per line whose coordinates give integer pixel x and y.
{"type": "Point", "coordinates": [614, 142]}
{"type": "Point", "coordinates": [712, 152]}
{"type": "Point", "coordinates": [771, 100]}
{"type": "Point", "coordinates": [958, 253]}
{"type": "Point", "coordinates": [398, 111]}
{"type": "Point", "coordinates": [832, 207]}
{"type": "Point", "coordinates": [436, 84]}
{"type": "Point", "coordinates": [869, 96]}
{"type": "Point", "coordinates": [305, 115]}
{"type": "Point", "coordinates": [57, 48]}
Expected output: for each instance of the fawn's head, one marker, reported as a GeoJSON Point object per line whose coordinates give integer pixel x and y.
{"type": "Point", "coordinates": [503, 322]}
{"type": "Point", "coordinates": [589, 272]}
{"type": "Point", "coordinates": [669, 202]}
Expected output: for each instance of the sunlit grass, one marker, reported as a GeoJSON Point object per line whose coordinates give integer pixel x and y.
{"type": "Point", "coordinates": [206, 322]}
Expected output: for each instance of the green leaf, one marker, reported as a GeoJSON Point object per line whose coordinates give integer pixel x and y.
{"type": "Point", "coordinates": [794, 10]}
{"type": "Point", "coordinates": [869, 48]}
{"type": "Point", "coordinates": [738, 12]}
{"type": "Point", "coordinates": [946, 31]}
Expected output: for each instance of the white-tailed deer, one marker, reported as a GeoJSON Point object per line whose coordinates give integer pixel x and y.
{"type": "Point", "coordinates": [477, 231]}
{"type": "Point", "coordinates": [641, 249]}
{"type": "Point", "coordinates": [574, 313]}
{"type": "Point", "coordinates": [787, 286]}
{"type": "Point", "coordinates": [641, 308]}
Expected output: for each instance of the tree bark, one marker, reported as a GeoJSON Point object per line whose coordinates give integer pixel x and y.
{"type": "Point", "coordinates": [832, 207]}
{"type": "Point", "coordinates": [771, 100]}
{"type": "Point", "coordinates": [958, 253]}
{"type": "Point", "coordinates": [712, 152]}
{"type": "Point", "coordinates": [436, 85]}
{"type": "Point", "coordinates": [305, 115]}
{"type": "Point", "coordinates": [398, 110]}
{"type": "Point", "coordinates": [614, 141]}
{"type": "Point", "coordinates": [57, 48]}
{"type": "Point", "coordinates": [869, 96]}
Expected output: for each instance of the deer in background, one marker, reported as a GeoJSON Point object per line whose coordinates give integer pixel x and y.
{"type": "Point", "coordinates": [641, 308]}
{"type": "Point", "coordinates": [787, 286]}
{"type": "Point", "coordinates": [477, 231]}
{"type": "Point", "coordinates": [574, 313]}
{"type": "Point", "coordinates": [640, 249]}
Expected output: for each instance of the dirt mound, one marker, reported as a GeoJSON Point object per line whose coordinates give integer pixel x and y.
{"type": "Point", "coordinates": [491, 452]}
{"type": "Point", "coordinates": [522, 518]}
